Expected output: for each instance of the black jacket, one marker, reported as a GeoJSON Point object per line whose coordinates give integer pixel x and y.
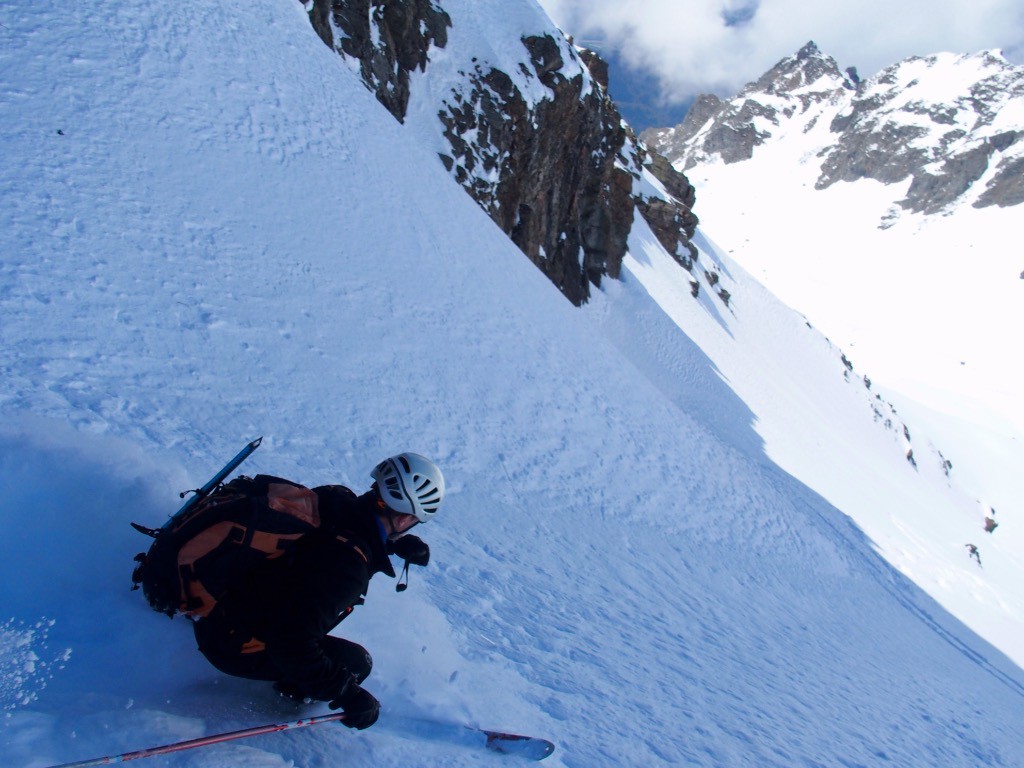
{"type": "Point", "coordinates": [292, 602]}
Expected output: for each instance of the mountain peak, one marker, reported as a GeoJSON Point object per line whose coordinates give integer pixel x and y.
{"type": "Point", "coordinates": [809, 69]}
{"type": "Point", "coordinates": [733, 128]}
{"type": "Point", "coordinates": [809, 50]}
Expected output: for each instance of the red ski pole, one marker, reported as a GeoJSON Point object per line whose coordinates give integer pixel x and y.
{"type": "Point", "coordinates": [205, 741]}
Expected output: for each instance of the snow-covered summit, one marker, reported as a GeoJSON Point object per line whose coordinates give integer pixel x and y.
{"type": "Point", "coordinates": [952, 125]}
{"type": "Point", "coordinates": [731, 129]}
{"type": "Point", "coordinates": [807, 73]}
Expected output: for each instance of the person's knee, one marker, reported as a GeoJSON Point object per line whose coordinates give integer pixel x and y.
{"type": "Point", "coordinates": [362, 665]}
{"type": "Point", "coordinates": [352, 656]}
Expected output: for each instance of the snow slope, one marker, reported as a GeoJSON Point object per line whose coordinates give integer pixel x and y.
{"type": "Point", "coordinates": [210, 230]}
{"type": "Point", "coordinates": [884, 295]}
{"type": "Point", "coordinates": [926, 306]}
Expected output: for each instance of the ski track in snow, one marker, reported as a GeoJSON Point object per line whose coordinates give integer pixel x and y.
{"type": "Point", "coordinates": [217, 248]}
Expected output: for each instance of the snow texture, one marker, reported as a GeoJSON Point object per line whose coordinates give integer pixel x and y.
{"type": "Point", "coordinates": [211, 231]}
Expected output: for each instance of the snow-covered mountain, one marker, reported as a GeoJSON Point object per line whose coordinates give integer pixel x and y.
{"type": "Point", "coordinates": [679, 527]}
{"type": "Point", "coordinates": [951, 125]}
{"type": "Point", "coordinates": [886, 211]}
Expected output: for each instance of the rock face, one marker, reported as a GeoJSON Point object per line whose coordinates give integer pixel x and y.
{"type": "Point", "coordinates": [672, 220]}
{"type": "Point", "coordinates": [533, 137]}
{"type": "Point", "coordinates": [389, 39]}
{"type": "Point", "coordinates": [549, 171]}
{"type": "Point", "coordinates": [892, 130]}
{"type": "Point", "coordinates": [942, 123]}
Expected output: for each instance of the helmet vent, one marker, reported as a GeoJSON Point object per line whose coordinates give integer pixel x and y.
{"type": "Point", "coordinates": [411, 484]}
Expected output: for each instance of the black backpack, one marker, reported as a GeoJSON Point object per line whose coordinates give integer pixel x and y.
{"type": "Point", "coordinates": [212, 546]}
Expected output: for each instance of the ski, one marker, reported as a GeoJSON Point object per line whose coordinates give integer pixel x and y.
{"type": "Point", "coordinates": [529, 747]}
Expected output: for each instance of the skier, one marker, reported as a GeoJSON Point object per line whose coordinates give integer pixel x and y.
{"type": "Point", "coordinates": [275, 627]}
{"type": "Point", "coordinates": [972, 551]}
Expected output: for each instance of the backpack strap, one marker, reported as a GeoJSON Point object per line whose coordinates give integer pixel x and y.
{"type": "Point", "coordinates": [353, 546]}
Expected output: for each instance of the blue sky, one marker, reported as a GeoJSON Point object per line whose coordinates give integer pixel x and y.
{"type": "Point", "coordinates": [696, 46]}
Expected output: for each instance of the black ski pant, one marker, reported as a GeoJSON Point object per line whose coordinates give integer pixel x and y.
{"type": "Point", "coordinates": [234, 653]}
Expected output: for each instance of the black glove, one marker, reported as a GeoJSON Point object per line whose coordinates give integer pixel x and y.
{"type": "Point", "coordinates": [411, 548]}
{"type": "Point", "coordinates": [359, 705]}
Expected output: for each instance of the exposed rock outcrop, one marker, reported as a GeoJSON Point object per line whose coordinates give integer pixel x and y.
{"type": "Point", "coordinates": [534, 138]}
{"type": "Point", "coordinates": [389, 38]}
{"type": "Point", "coordinates": [672, 221]}
{"type": "Point", "coordinates": [891, 134]}
{"type": "Point", "coordinates": [550, 172]}
{"type": "Point", "coordinates": [1007, 188]}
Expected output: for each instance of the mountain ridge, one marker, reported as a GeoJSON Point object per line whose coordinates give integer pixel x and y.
{"type": "Point", "coordinates": [944, 122]}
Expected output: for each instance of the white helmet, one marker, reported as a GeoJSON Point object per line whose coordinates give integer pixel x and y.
{"type": "Point", "coordinates": [410, 485]}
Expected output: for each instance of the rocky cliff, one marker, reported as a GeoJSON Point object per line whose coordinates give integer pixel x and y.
{"type": "Point", "coordinates": [388, 39]}
{"type": "Point", "coordinates": [947, 126]}
{"type": "Point", "coordinates": [529, 132]}
{"type": "Point", "coordinates": [555, 173]}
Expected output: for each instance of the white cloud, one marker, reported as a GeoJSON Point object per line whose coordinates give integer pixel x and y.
{"type": "Point", "coordinates": [719, 45]}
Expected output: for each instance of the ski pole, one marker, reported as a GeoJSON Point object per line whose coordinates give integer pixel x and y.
{"type": "Point", "coordinates": [205, 741]}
